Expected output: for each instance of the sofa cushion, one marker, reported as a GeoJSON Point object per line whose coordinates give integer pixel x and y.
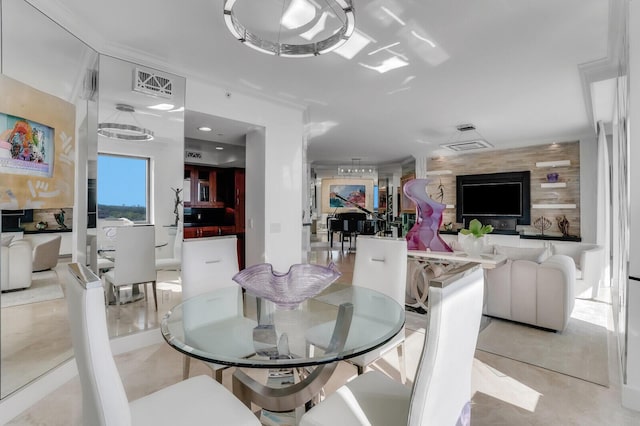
{"type": "Point", "coordinates": [6, 240]}
{"type": "Point", "coordinates": [537, 255]}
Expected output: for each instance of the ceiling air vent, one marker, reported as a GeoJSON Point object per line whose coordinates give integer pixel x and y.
{"type": "Point", "coordinates": [465, 127]}
{"type": "Point", "coordinates": [464, 146]}
{"type": "Point", "coordinates": [152, 84]}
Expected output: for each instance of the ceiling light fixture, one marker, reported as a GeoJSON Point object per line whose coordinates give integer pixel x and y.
{"type": "Point", "coordinates": [300, 14]}
{"type": "Point", "coordinates": [204, 129]}
{"type": "Point", "coordinates": [162, 107]}
{"type": "Point", "coordinates": [127, 132]}
{"type": "Point", "coordinates": [219, 148]}
{"type": "Point", "coordinates": [356, 169]}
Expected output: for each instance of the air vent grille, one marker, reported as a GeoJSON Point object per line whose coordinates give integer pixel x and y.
{"type": "Point", "coordinates": [465, 127]}
{"type": "Point", "coordinates": [464, 146]}
{"type": "Point", "coordinates": [152, 84]}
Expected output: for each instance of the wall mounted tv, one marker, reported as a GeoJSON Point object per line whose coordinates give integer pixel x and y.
{"type": "Point", "coordinates": [494, 196]}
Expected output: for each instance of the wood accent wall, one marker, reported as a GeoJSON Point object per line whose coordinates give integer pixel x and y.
{"type": "Point", "coordinates": [514, 160]}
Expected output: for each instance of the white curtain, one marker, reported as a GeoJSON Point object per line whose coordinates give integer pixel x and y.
{"type": "Point", "coordinates": [603, 225]}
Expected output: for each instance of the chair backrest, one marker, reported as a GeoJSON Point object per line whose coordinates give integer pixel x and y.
{"type": "Point", "coordinates": [104, 401]}
{"type": "Point", "coordinates": [209, 264]}
{"type": "Point", "coordinates": [381, 265]}
{"type": "Point", "coordinates": [135, 256]}
{"type": "Point", "coordinates": [442, 387]}
{"type": "Point", "coordinates": [46, 253]}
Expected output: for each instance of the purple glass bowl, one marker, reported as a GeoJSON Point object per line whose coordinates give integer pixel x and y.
{"type": "Point", "coordinates": [552, 177]}
{"type": "Point", "coordinates": [301, 282]}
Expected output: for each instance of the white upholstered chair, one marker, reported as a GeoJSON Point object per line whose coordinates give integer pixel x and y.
{"type": "Point", "coordinates": [173, 263]}
{"type": "Point", "coordinates": [134, 261]}
{"type": "Point", "coordinates": [197, 401]}
{"type": "Point", "coordinates": [442, 387]}
{"type": "Point", "coordinates": [209, 264]}
{"type": "Point", "coordinates": [46, 251]}
{"type": "Point", "coordinates": [381, 265]}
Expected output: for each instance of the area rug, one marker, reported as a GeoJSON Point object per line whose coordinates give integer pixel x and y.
{"type": "Point", "coordinates": [579, 351]}
{"type": "Point", "coordinates": [44, 286]}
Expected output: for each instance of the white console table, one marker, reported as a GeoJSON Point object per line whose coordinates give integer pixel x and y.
{"type": "Point", "coordinates": [488, 261]}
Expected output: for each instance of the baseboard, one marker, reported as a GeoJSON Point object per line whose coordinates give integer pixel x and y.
{"type": "Point", "coordinates": [23, 399]}
{"type": "Point", "coordinates": [631, 397]}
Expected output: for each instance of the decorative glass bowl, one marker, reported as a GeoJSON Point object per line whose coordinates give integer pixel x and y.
{"type": "Point", "coordinates": [287, 290]}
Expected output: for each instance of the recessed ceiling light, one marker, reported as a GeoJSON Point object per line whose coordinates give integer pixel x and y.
{"type": "Point", "coordinates": [204, 129]}
{"type": "Point", "coordinates": [219, 148]}
{"type": "Point", "coordinates": [162, 107]}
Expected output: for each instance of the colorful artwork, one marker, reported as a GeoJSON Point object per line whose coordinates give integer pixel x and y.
{"type": "Point", "coordinates": [26, 147]}
{"type": "Point", "coordinates": [347, 196]}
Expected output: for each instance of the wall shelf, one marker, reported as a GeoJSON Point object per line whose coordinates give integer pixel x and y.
{"type": "Point", "coordinates": [553, 185]}
{"type": "Point", "coordinates": [438, 172]}
{"type": "Point", "coordinates": [553, 206]}
{"type": "Point", "coordinates": [451, 206]}
{"type": "Point", "coordinates": [558, 163]}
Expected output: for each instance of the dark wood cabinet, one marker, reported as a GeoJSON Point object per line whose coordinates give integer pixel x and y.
{"type": "Point", "coordinates": [203, 188]}
{"type": "Point", "coordinates": [208, 231]}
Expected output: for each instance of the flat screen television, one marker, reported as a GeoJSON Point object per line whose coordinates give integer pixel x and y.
{"type": "Point", "coordinates": [494, 196]}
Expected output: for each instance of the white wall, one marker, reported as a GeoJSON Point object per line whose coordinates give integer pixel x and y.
{"type": "Point", "coordinates": [277, 224]}
{"type": "Point", "coordinates": [631, 389]}
{"type": "Point", "coordinates": [588, 183]}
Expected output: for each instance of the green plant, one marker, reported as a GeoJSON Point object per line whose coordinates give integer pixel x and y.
{"type": "Point", "coordinates": [476, 229]}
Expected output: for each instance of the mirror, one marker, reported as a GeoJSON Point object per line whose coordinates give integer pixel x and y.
{"type": "Point", "coordinates": [50, 63]}
{"type": "Point", "coordinates": [137, 179]}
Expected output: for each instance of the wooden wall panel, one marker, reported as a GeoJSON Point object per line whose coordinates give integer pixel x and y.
{"type": "Point", "coordinates": [513, 160]}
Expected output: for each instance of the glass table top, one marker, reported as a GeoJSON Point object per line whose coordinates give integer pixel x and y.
{"type": "Point", "coordinates": [224, 327]}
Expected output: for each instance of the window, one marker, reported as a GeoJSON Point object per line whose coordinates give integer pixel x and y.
{"type": "Point", "coordinates": [123, 187]}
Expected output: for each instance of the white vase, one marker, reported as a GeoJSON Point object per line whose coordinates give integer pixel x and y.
{"type": "Point", "coordinates": [473, 246]}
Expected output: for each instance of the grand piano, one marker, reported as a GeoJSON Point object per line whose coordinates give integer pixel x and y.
{"type": "Point", "coordinates": [351, 224]}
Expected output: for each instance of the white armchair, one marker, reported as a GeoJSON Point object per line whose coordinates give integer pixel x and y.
{"type": "Point", "coordinates": [589, 260]}
{"type": "Point", "coordinates": [46, 252]}
{"type": "Point", "coordinates": [16, 264]}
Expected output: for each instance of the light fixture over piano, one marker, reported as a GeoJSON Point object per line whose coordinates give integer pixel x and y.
{"type": "Point", "coordinates": [357, 169]}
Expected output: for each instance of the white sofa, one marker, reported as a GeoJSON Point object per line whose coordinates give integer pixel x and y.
{"type": "Point", "coordinates": [16, 264]}
{"type": "Point", "coordinates": [531, 288]}
{"type": "Point", "coordinates": [589, 261]}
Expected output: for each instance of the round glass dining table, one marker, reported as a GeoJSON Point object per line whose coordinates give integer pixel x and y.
{"type": "Point", "coordinates": [228, 327]}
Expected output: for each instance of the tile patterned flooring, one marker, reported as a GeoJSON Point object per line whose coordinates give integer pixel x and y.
{"type": "Point", "coordinates": [505, 392]}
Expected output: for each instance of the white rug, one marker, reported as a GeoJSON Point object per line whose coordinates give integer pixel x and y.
{"type": "Point", "coordinates": [579, 351]}
{"type": "Point", "coordinates": [44, 286]}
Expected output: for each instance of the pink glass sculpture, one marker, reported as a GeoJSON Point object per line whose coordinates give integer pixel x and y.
{"type": "Point", "coordinates": [301, 282]}
{"type": "Point", "coordinates": [424, 234]}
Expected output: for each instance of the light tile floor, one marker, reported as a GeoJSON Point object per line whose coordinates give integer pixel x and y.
{"type": "Point", "coordinates": [505, 392]}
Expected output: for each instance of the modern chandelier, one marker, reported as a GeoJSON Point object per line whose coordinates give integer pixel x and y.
{"type": "Point", "coordinates": [304, 16]}
{"type": "Point", "coordinates": [127, 132]}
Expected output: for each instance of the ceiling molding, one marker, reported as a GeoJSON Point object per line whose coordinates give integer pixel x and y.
{"type": "Point", "coordinates": [63, 16]}
{"type": "Point", "coordinates": [605, 68]}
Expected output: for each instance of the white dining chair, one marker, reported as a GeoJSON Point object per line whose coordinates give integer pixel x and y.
{"type": "Point", "coordinates": [442, 388]}
{"type": "Point", "coordinates": [134, 261]}
{"type": "Point", "coordinates": [209, 264]}
{"type": "Point", "coordinates": [197, 401]}
{"type": "Point", "coordinates": [381, 265]}
{"type": "Point", "coordinates": [173, 263]}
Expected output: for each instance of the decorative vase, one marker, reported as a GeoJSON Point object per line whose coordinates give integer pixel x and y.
{"type": "Point", "coordinates": [287, 290]}
{"type": "Point", "coordinates": [552, 177]}
{"type": "Point", "coordinates": [424, 234]}
{"type": "Point", "coordinates": [472, 245]}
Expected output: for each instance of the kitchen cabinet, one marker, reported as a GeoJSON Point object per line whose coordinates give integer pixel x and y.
{"type": "Point", "coordinates": [208, 231]}
{"type": "Point", "coordinates": [202, 187]}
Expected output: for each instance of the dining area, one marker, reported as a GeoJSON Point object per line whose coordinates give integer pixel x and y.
{"type": "Point", "coordinates": [272, 344]}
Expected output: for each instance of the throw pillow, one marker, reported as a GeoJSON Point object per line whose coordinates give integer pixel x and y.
{"type": "Point", "coordinates": [537, 255]}
{"type": "Point", "coordinates": [6, 240]}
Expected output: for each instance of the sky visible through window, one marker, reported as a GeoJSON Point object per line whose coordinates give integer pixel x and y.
{"type": "Point", "coordinates": [122, 181]}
